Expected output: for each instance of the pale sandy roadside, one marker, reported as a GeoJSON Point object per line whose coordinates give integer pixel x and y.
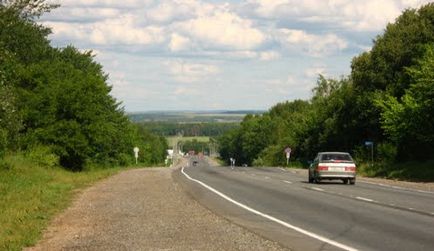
{"type": "Point", "coordinates": [144, 209]}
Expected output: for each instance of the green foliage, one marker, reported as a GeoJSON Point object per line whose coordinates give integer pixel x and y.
{"type": "Point", "coordinates": [403, 119]}
{"type": "Point", "coordinates": [43, 156]}
{"type": "Point", "coordinates": [195, 145]}
{"type": "Point", "coordinates": [188, 129]}
{"type": "Point", "coordinates": [31, 195]}
{"type": "Point", "coordinates": [3, 142]}
{"type": "Point", "coordinates": [388, 99]}
{"type": "Point", "coordinates": [60, 98]}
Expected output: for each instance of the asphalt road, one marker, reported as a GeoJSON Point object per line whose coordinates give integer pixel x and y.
{"type": "Point", "coordinates": [280, 205]}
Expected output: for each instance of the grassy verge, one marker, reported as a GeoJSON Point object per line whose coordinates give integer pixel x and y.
{"type": "Point", "coordinates": [410, 171]}
{"type": "Point", "coordinates": [31, 195]}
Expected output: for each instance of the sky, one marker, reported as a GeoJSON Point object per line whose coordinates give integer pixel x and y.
{"type": "Point", "coordinates": [220, 55]}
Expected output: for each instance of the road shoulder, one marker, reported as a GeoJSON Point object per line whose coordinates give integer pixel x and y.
{"type": "Point", "coordinates": [144, 209]}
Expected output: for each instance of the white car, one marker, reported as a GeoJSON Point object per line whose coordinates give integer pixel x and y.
{"type": "Point", "coordinates": [333, 166]}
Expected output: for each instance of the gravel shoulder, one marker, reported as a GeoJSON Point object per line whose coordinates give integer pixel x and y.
{"type": "Point", "coordinates": [144, 209]}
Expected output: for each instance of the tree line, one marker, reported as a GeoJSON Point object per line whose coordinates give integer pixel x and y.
{"type": "Point", "coordinates": [188, 129]}
{"type": "Point", "coordinates": [387, 99]}
{"type": "Point", "coordinates": [58, 99]}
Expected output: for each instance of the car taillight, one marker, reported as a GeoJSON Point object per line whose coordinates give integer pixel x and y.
{"type": "Point", "coordinates": [322, 168]}
{"type": "Point", "coordinates": [350, 168]}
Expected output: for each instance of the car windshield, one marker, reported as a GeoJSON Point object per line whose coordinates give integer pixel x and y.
{"type": "Point", "coordinates": [336, 157]}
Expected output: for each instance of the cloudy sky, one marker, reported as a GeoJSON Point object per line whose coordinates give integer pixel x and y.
{"type": "Point", "coordinates": [208, 55]}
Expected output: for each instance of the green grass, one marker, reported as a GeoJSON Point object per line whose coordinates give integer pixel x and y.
{"type": "Point", "coordinates": [31, 195]}
{"type": "Point", "coordinates": [410, 171]}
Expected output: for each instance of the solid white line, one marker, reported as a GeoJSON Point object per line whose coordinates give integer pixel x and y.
{"type": "Point", "coordinates": [364, 199]}
{"type": "Point", "coordinates": [285, 224]}
{"type": "Point", "coordinates": [289, 182]}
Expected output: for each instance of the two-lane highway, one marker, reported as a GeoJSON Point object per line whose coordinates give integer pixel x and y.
{"type": "Point", "coordinates": [280, 205]}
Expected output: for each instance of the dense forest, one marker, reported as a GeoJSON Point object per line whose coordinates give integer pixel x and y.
{"type": "Point", "coordinates": [188, 129]}
{"type": "Point", "coordinates": [388, 99]}
{"type": "Point", "coordinates": [55, 102]}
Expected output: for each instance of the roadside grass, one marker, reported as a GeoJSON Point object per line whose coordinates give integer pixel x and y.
{"type": "Point", "coordinates": [31, 195]}
{"type": "Point", "coordinates": [409, 171]}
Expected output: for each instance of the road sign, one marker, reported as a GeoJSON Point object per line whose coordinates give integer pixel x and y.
{"type": "Point", "coordinates": [136, 153]}
{"type": "Point", "coordinates": [288, 154]}
{"type": "Point", "coordinates": [369, 143]}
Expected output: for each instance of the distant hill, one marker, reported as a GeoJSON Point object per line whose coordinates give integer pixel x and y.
{"type": "Point", "coordinates": [220, 116]}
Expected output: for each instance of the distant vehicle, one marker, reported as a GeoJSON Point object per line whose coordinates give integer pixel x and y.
{"type": "Point", "coordinates": [194, 163]}
{"type": "Point", "coordinates": [333, 166]}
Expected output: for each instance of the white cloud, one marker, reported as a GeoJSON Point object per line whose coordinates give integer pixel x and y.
{"type": "Point", "coordinates": [314, 45]}
{"type": "Point", "coordinates": [269, 55]}
{"type": "Point", "coordinates": [167, 12]}
{"type": "Point", "coordinates": [193, 47]}
{"type": "Point", "coordinates": [122, 30]}
{"type": "Point", "coordinates": [314, 71]}
{"type": "Point", "coordinates": [367, 15]}
{"type": "Point", "coordinates": [179, 43]}
{"type": "Point", "coordinates": [223, 30]}
{"type": "Point", "coordinates": [191, 72]}
{"type": "Point", "coordinates": [103, 3]}
{"type": "Point", "coordinates": [282, 87]}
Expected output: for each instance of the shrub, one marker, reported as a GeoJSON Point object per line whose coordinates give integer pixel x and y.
{"type": "Point", "coordinates": [43, 156]}
{"type": "Point", "coordinates": [3, 142]}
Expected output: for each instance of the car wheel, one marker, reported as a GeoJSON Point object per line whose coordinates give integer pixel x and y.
{"type": "Point", "coordinates": [317, 180]}
{"type": "Point", "coordinates": [345, 181]}
{"type": "Point", "coordinates": [353, 181]}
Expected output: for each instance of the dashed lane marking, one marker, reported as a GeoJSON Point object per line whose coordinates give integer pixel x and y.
{"type": "Point", "coordinates": [317, 189]}
{"type": "Point", "coordinates": [364, 199]}
{"type": "Point", "coordinates": [271, 218]}
{"type": "Point", "coordinates": [286, 181]}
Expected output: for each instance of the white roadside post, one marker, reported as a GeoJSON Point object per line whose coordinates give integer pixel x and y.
{"type": "Point", "coordinates": [136, 153]}
{"type": "Point", "coordinates": [288, 155]}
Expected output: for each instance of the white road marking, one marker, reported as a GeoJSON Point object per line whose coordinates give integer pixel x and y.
{"type": "Point", "coordinates": [283, 223]}
{"type": "Point", "coordinates": [266, 177]}
{"type": "Point", "coordinates": [364, 199]}
{"type": "Point", "coordinates": [317, 189]}
{"type": "Point", "coordinates": [281, 169]}
{"type": "Point", "coordinates": [286, 181]}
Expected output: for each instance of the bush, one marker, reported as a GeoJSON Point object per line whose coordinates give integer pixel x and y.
{"type": "Point", "coordinates": [43, 156]}
{"type": "Point", "coordinates": [125, 159]}
{"type": "Point", "coordinates": [5, 165]}
{"type": "Point", "coordinates": [258, 162]}
{"type": "Point", "coordinates": [3, 142]}
{"type": "Point", "coordinates": [386, 153]}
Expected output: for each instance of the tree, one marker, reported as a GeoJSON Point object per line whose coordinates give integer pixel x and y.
{"type": "Point", "coordinates": [409, 120]}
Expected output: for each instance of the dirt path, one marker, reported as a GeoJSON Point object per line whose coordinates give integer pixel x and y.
{"type": "Point", "coordinates": [144, 209]}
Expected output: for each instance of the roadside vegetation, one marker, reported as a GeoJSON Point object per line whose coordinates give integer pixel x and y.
{"type": "Point", "coordinates": [31, 194]}
{"type": "Point", "coordinates": [60, 129]}
{"type": "Point", "coordinates": [188, 129]}
{"type": "Point", "coordinates": [388, 99]}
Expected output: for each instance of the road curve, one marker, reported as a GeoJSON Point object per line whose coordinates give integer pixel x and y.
{"type": "Point", "coordinates": [302, 216]}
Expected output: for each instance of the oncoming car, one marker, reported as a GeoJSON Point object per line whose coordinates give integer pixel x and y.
{"type": "Point", "coordinates": [333, 166]}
